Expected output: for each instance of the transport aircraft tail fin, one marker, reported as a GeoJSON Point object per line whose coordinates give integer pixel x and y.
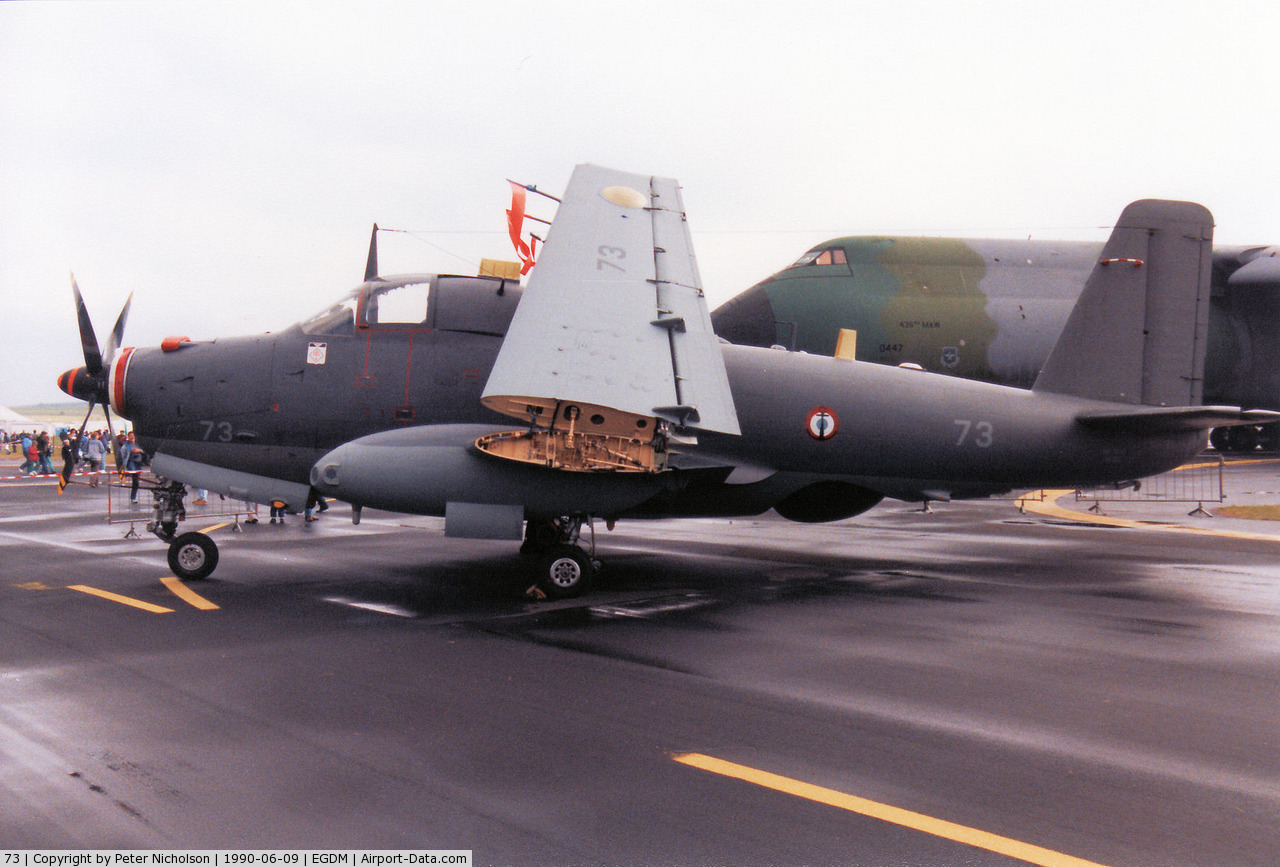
{"type": "Point", "coordinates": [1137, 334]}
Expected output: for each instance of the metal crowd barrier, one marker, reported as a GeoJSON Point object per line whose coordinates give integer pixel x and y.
{"type": "Point", "coordinates": [1198, 483]}
{"type": "Point", "coordinates": [123, 509]}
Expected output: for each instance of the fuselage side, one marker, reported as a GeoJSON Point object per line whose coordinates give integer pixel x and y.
{"type": "Point", "coordinates": [274, 404]}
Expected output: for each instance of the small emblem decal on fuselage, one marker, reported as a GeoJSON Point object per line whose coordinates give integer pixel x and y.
{"type": "Point", "coordinates": [316, 352]}
{"type": "Point", "coordinates": [822, 423]}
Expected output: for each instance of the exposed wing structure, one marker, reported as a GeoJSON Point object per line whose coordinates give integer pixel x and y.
{"type": "Point", "coordinates": [612, 333]}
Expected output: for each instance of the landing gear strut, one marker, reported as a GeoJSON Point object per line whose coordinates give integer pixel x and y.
{"type": "Point", "coordinates": [167, 509]}
{"type": "Point", "coordinates": [564, 569]}
{"type": "Point", "coordinates": [191, 555]}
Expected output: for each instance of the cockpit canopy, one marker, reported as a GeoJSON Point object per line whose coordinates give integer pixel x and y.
{"type": "Point", "coordinates": [422, 302]}
{"type": "Point", "coordinates": [832, 255]}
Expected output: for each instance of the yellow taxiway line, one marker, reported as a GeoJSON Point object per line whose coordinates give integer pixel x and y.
{"type": "Point", "coordinates": [186, 594]}
{"type": "Point", "coordinates": [208, 530]}
{"type": "Point", "coordinates": [1046, 503]}
{"type": "Point", "coordinates": [123, 600]}
{"type": "Point", "coordinates": [175, 586]}
{"type": "Point", "coordinates": [885, 813]}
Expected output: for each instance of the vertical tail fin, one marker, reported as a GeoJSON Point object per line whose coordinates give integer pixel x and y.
{"type": "Point", "coordinates": [1137, 334]}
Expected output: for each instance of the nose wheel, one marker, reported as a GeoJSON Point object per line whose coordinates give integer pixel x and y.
{"type": "Point", "coordinates": [193, 556]}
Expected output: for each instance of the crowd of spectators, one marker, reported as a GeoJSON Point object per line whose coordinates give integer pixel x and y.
{"type": "Point", "coordinates": [90, 451]}
{"type": "Point", "coordinates": [36, 448]}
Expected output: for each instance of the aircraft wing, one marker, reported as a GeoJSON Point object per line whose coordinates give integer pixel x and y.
{"type": "Point", "coordinates": [613, 315]}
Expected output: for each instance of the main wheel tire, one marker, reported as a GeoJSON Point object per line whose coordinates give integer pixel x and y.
{"type": "Point", "coordinates": [193, 556]}
{"type": "Point", "coordinates": [565, 571]}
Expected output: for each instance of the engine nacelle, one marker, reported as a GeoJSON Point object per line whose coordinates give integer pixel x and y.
{"type": "Point", "coordinates": [826, 501]}
{"type": "Point", "coordinates": [430, 470]}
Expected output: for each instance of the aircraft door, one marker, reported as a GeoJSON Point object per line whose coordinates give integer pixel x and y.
{"type": "Point", "coordinates": [391, 384]}
{"type": "Point", "coordinates": [349, 372]}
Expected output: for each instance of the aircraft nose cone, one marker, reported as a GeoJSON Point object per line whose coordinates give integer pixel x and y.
{"type": "Point", "coordinates": [79, 384]}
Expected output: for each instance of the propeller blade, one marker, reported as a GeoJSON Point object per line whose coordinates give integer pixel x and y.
{"type": "Point", "coordinates": [80, 436]}
{"type": "Point", "coordinates": [111, 444]}
{"type": "Point", "coordinates": [64, 478]}
{"type": "Point", "coordinates": [88, 340]}
{"type": "Point", "coordinates": [117, 334]}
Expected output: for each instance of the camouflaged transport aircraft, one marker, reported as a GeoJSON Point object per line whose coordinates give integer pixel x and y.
{"type": "Point", "coordinates": [992, 309]}
{"type": "Point", "coordinates": [605, 394]}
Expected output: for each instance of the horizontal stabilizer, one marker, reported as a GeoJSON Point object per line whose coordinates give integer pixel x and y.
{"type": "Point", "coordinates": [1158, 419]}
{"type": "Point", "coordinates": [1262, 272]}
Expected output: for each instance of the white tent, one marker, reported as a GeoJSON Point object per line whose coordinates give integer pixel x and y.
{"type": "Point", "coordinates": [14, 421]}
{"type": "Point", "coordinates": [10, 420]}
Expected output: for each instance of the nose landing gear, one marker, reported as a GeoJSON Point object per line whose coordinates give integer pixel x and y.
{"type": "Point", "coordinates": [191, 555]}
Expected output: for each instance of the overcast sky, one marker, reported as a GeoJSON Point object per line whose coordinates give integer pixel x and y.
{"type": "Point", "coordinates": [224, 161]}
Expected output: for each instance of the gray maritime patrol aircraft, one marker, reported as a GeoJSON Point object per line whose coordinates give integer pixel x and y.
{"type": "Point", "coordinates": [600, 391]}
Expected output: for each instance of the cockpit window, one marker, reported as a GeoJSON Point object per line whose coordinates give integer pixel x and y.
{"type": "Point", "coordinates": [398, 304]}
{"type": "Point", "coordinates": [827, 256]}
{"type": "Point", "coordinates": [338, 319]}
{"type": "Point", "coordinates": [377, 305]}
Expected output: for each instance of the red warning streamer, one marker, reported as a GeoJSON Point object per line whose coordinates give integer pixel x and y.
{"type": "Point", "coordinates": [515, 226]}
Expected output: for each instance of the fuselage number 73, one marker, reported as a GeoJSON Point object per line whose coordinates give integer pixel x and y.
{"type": "Point", "coordinates": [216, 431]}
{"type": "Point", "coordinates": [975, 433]}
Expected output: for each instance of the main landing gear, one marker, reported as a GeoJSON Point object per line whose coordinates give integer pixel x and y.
{"type": "Point", "coordinates": [564, 569]}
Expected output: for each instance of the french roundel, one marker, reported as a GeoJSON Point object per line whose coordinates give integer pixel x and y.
{"type": "Point", "coordinates": [822, 423]}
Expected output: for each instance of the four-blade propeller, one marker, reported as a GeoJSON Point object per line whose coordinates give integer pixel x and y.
{"type": "Point", "coordinates": [91, 382]}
